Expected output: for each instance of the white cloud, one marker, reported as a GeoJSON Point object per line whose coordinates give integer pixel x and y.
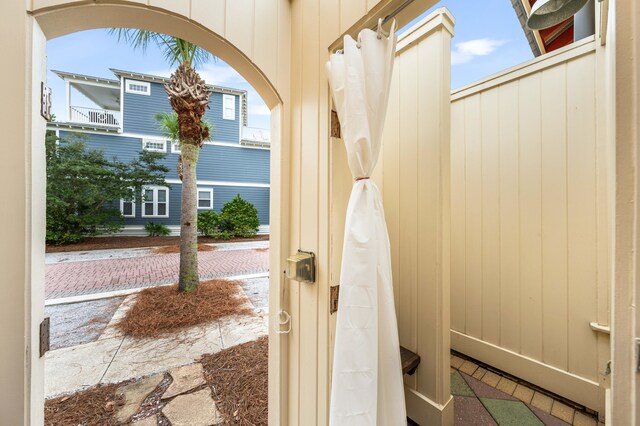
{"type": "Point", "coordinates": [466, 51]}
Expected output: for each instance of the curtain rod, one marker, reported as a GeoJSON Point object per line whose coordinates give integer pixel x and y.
{"type": "Point", "coordinates": [392, 14]}
{"type": "Point", "coordinates": [382, 21]}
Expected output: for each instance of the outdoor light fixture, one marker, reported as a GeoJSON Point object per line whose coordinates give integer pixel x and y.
{"type": "Point", "coordinates": [547, 13]}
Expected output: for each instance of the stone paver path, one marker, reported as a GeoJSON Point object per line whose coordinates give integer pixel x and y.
{"type": "Point", "coordinates": [482, 397]}
{"type": "Point", "coordinates": [98, 276]}
{"type": "Point", "coordinates": [114, 358]}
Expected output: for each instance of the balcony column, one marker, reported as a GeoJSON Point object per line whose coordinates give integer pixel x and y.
{"type": "Point", "coordinates": [68, 100]}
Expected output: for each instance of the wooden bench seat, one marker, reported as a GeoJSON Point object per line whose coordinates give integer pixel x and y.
{"type": "Point", "coordinates": [410, 361]}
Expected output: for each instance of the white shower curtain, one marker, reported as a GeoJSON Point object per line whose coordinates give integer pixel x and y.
{"type": "Point", "coordinates": [367, 387]}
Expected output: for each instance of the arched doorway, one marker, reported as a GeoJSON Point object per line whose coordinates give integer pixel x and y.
{"type": "Point", "coordinates": [64, 17]}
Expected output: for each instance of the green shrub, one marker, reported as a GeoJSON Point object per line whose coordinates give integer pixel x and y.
{"type": "Point", "coordinates": [239, 218]}
{"type": "Point", "coordinates": [208, 223]}
{"type": "Point", "coordinates": [156, 229]}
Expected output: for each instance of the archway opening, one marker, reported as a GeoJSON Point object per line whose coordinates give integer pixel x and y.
{"type": "Point", "coordinates": [59, 22]}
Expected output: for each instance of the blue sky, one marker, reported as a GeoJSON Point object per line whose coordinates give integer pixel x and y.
{"type": "Point", "coordinates": [488, 39]}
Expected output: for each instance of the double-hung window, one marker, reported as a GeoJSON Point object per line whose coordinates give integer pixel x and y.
{"type": "Point", "coordinates": [205, 198]}
{"type": "Point", "coordinates": [228, 107]}
{"type": "Point", "coordinates": [155, 201]}
{"type": "Point", "coordinates": [128, 207]}
{"type": "Point", "coordinates": [175, 147]}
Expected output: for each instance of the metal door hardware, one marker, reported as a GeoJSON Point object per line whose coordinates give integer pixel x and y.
{"type": "Point", "coordinates": [44, 336]}
{"type": "Point", "coordinates": [302, 267]}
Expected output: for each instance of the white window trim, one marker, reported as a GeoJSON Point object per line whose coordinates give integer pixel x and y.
{"type": "Point", "coordinates": [162, 141]}
{"type": "Point", "coordinates": [128, 82]}
{"type": "Point", "coordinates": [224, 109]}
{"type": "Point", "coordinates": [175, 148]}
{"type": "Point", "coordinates": [133, 208]}
{"type": "Point", "coordinates": [155, 201]}
{"type": "Point", "coordinates": [210, 191]}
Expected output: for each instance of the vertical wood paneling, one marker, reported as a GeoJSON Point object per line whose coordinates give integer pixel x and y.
{"type": "Point", "coordinates": [265, 36]}
{"type": "Point", "coordinates": [408, 151]}
{"type": "Point", "coordinates": [309, 208]}
{"type": "Point", "coordinates": [295, 390]}
{"type": "Point", "coordinates": [473, 218]}
{"type": "Point", "coordinates": [509, 218]}
{"type": "Point", "coordinates": [416, 199]}
{"type": "Point", "coordinates": [210, 13]}
{"type": "Point", "coordinates": [581, 151]}
{"type": "Point", "coordinates": [391, 152]}
{"type": "Point", "coordinates": [239, 17]}
{"type": "Point", "coordinates": [179, 7]}
{"type": "Point", "coordinates": [458, 287]}
{"type": "Point", "coordinates": [490, 251]}
{"type": "Point", "coordinates": [530, 217]}
{"type": "Point", "coordinates": [428, 226]}
{"type": "Point", "coordinates": [534, 178]}
{"type": "Point", "coordinates": [350, 12]}
{"type": "Point", "coordinates": [554, 217]}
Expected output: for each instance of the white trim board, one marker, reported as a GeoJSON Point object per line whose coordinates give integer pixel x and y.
{"type": "Point", "coordinates": [221, 183]}
{"type": "Point", "coordinates": [138, 230]}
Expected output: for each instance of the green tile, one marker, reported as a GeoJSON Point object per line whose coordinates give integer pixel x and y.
{"type": "Point", "coordinates": [459, 387]}
{"type": "Point", "coordinates": [510, 413]}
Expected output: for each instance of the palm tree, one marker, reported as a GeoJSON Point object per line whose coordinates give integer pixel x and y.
{"type": "Point", "coordinates": [189, 97]}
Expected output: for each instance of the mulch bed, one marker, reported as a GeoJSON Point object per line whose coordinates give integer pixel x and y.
{"type": "Point", "coordinates": [105, 243]}
{"type": "Point", "coordinates": [176, 249]}
{"type": "Point", "coordinates": [93, 407]}
{"type": "Point", "coordinates": [238, 377]}
{"type": "Point", "coordinates": [162, 310]}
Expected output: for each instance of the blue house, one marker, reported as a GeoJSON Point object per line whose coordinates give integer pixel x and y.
{"type": "Point", "coordinates": [117, 117]}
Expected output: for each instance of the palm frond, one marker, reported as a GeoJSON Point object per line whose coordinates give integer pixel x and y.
{"type": "Point", "coordinates": [175, 50]}
{"type": "Point", "coordinates": [168, 124]}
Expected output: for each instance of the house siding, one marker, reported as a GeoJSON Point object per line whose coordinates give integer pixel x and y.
{"type": "Point", "coordinates": [139, 114]}
{"type": "Point", "coordinates": [259, 197]}
{"type": "Point", "coordinates": [215, 163]}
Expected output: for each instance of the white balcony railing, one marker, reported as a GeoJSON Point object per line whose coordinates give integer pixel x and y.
{"type": "Point", "coordinates": [100, 117]}
{"type": "Point", "coordinates": [254, 134]}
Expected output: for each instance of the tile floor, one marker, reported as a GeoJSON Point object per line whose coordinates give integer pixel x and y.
{"type": "Point", "coordinates": [483, 397]}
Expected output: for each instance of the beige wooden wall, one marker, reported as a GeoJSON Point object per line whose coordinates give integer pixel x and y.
{"type": "Point", "coordinates": [413, 175]}
{"type": "Point", "coordinates": [280, 47]}
{"type": "Point", "coordinates": [530, 241]}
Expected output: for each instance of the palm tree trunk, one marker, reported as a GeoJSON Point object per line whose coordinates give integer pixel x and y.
{"type": "Point", "coordinates": [188, 280]}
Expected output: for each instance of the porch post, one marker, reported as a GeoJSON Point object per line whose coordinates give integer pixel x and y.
{"type": "Point", "coordinates": [415, 183]}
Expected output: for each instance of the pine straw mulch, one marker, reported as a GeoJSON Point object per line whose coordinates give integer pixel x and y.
{"type": "Point", "coordinates": [176, 249]}
{"type": "Point", "coordinates": [93, 407]}
{"type": "Point", "coordinates": [106, 243]}
{"type": "Point", "coordinates": [238, 377]}
{"type": "Point", "coordinates": [162, 310]}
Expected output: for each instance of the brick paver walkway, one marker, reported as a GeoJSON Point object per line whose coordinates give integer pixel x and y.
{"type": "Point", "coordinates": [90, 277]}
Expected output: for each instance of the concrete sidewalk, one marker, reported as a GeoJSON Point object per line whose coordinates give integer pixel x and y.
{"type": "Point", "coordinates": [114, 358]}
{"type": "Point", "coordinates": [75, 278]}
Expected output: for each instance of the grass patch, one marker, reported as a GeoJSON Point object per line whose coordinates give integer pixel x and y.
{"type": "Point", "coordinates": [176, 249]}
{"type": "Point", "coordinates": [163, 310]}
{"type": "Point", "coordinates": [92, 407]}
{"type": "Point", "coordinates": [239, 379]}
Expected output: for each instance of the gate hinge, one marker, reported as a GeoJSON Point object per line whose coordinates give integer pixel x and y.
{"type": "Point", "coordinates": [333, 298]}
{"type": "Point", "coordinates": [44, 336]}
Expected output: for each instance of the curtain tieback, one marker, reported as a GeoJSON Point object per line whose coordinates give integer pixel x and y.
{"type": "Point", "coordinates": [361, 178]}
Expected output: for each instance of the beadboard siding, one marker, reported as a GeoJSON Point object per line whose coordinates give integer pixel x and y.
{"type": "Point", "coordinates": [529, 241]}
{"type": "Point", "coordinates": [140, 110]}
{"type": "Point", "coordinates": [259, 197]}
